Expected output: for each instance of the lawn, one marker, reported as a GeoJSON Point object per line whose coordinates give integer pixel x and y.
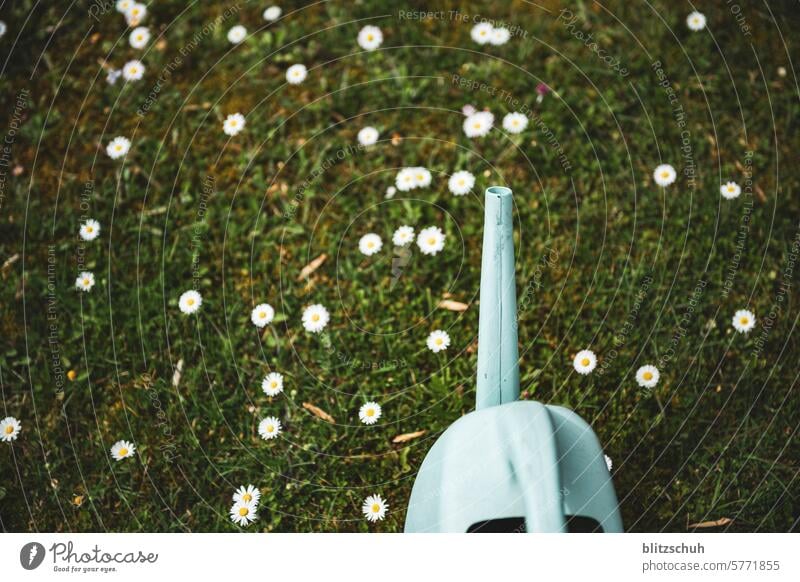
{"type": "Point", "coordinates": [607, 259]}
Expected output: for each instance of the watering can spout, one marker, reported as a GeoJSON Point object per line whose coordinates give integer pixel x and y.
{"type": "Point", "coordinates": [498, 355]}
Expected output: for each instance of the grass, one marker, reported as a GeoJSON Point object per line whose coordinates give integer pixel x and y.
{"type": "Point", "coordinates": [604, 257]}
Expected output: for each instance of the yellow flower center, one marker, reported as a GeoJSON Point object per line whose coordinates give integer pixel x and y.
{"type": "Point", "coordinates": [123, 452]}
{"type": "Point", "coordinates": [376, 508]}
{"type": "Point", "coordinates": [247, 497]}
{"type": "Point", "coordinates": [89, 229]}
{"type": "Point", "coordinates": [243, 511]}
{"type": "Point", "coordinates": [431, 241]}
{"type": "Point", "coordinates": [476, 125]}
{"type": "Point", "coordinates": [273, 384]}
{"type": "Point", "coordinates": [730, 188]}
{"type": "Point", "coordinates": [262, 314]}
{"type": "Point", "coordinates": [133, 70]}
{"type": "Point", "coordinates": [9, 429]}
{"type": "Point", "coordinates": [86, 281]}
{"type": "Point", "coordinates": [315, 317]}
{"type": "Point", "coordinates": [665, 174]}
{"type": "Point", "coordinates": [190, 302]}
{"type": "Point", "coordinates": [515, 122]}
{"type": "Point", "coordinates": [439, 341]}
{"type": "Point", "coordinates": [647, 376]}
{"type": "Point", "coordinates": [139, 37]}
{"type": "Point", "coordinates": [370, 245]}
{"type": "Point", "coordinates": [744, 321]}
{"type": "Point", "coordinates": [118, 147]}
{"type": "Point", "coordinates": [585, 362]}
{"type": "Point", "coordinates": [370, 412]}
{"type": "Point", "coordinates": [370, 37]}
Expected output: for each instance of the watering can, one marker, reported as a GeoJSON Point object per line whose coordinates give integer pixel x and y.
{"type": "Point", "coordinates": [511, 465]}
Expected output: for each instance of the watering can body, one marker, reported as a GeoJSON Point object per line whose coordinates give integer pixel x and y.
{"type": "Point", "coordinates": [510, 465]}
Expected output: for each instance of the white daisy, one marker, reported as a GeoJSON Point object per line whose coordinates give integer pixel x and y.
{"type": "Point", "coordinates": [10, 428]}
{"type": "Point", "coordinates": [461, 183]}
{"type": "Point", "coordinates": [124, 5]}
{"type": "Point", "coordinates": [118, 147]}
{"type": "Point", "coordinates": [481, 32]}
{"type": "Point", "coordinates": [237, 34]}
{"type": "Point", "coordinates": [133, 70]}
{"type": "Point", "coordinates": [515, 122]}
{"type": "Point", "coordinates": [369, 244]}
{"type": "Point", "coordinates": [249, 494]}
{"type": "Point", "coordinates": [272, 384]}
{"type": "Point", "coordinates": [730, 190]}
{"type": "Point", "coordinates": [262, 315]}
{"type": "Point", "coordinates": [664, 175]}
{"type": "Point", "coordinates": [122, 450]}
{"type": "Point", "coordinates": [139, 37]}
{"type": "Point", "coordinates": [370, 413]}
{"type": "Point", "coordinates": [585, 361]}
{"type": "Point", "coordinates": [609, 462]}
{"type": "Point", "coordinates": [135, 13]}
{"type": "Point", "coordinates": [244, 513]}
{"type": "Point", "coordinates": [315, 318]}
{"type": "Point", "coordinates": [403, 236]}
{"type": "Point", "coordinates": [89, 230]}
{"type": "Point", "coordinates": [499, 36]}
{"type": "Point", "coordinates": [696, 21]}
{"type": "Point", "coordinates": [85, 281]}
{"type": "Point", "coordinates": [438, 341]}
{"type": "Point", "coordinates": [374, 508]}
{"type": "Point", "coordinates": [430, 240]}
{"type": "Point", "coordinates": [233, 124]}
{"type": "Point", "coordinates": [3, 28]}
{"type": "Point", "coordinates": [647, 376]}
{"type": "Point", "coordinates": [368, 136]}
{"type": "Point", "coordinates": [744, 321]}
{"type": "Point", "coordinates": [190, 302]}
{"type": "Point", "coordinates": [269, 428]}
{"type": "Point", "coordinates": [478, 124]}
{"type": "Point", "coordinates": [113, 76]}
{"type": "Point", "coordinates": [422, 177]}
{"type": "Point", "coordinates": [405, 180]}
{"type": "Point", "coordinates": [272, 13]}
{"type": "Point", "coordinates": [296, 74]}
{"type": "Point", "coordinates": [370, 38]}
{"type": "Point", "coordinates": [390, 192]}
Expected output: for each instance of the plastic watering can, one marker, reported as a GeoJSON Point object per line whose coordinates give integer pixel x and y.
{"type": "Point", "coordinates": [510, 465]}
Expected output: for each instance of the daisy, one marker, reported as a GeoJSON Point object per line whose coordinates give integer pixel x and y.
{"type": "Point", "coordinates": [272, 13]}
{"type": "Point", "coordinates": [647, 376]}
{"type": "Point", "coordinates": [124, 5]}
{"type": "Point", "coordinates": [272, 384]}
{"type": "Point", "coordinates": [89, 230]}
{"type": "Point", "coordinates": [585, 361]}
{"type": "Point", "coordinates": [609, 462]}
{"type": "Point", "coordinates": [515, 122]}
{"type": "Point", "coordinates": [430, 240]}
{"type": "Point", "coordinates": [481, 32]}
{"type": "Point", "coordinates": [478, 124]}
{"type": "Point", "coordinates": [390, 192]}
{"type": "Point", "coordinates": [664, 175]}
{"type": "Point", "coordinates": [315, 318]}
{"type": "Point", "coordinates": [438, 341]}
{"type": "Point", "coordinates": [370, 244]}
{"type": "Point", "coordinates": [499, 36]}
{"type": "Point", "coordinates": [190, 302]}
{"type": "Point", "coordinates": [730, 190]}
{"type": "Point", "coordinates": [468, 110]}
{"type": "Point", "coordinates": [461, 183]}
{"type": "Point", "coordinates": [135, 13]}
{"type": "Point", "coordinates": [696, 21]}
{"type": "Point", "coordinates": [3, 28]}
{"type": "Point", "coordinates": [133, 70]}
{"type": "Point", "coordinates": [370, 413]}
{"type": "Point", "coordinates": [422, 177]}
{"type": "Point", "coordinates": [237, 34]}
{"type": "Point", "coordinates": [403, 236]}
{"type": "Point", "coordinates": [122, 450]}
{"type": "Point", "coordinates": [262, 315]}
{"type": "Point", "coordinates": [247, 494]}
{"type": "Point", "coordinates": [405, 180]}
{"type": "Point", "coordinates": [244, 513]}
{"type": "Point", "coordinates": [85, 281]}
{"type": "Point", "coordinates": [374, 508]}
{"type": "Point", "coordinates": [370, 38]}
{"type": "Point", "coordinates": [10, 428]}
{"type": "Point", "coordinates": [296, 74]}
{"type": "Point", "coordinates": [139, 37]}
{"type": "Point", "coordinates": [233, 124]}
{"type": "Point", "coordinates": [118, 147]}
{"type": "Point", "coordinates": [269, 428]}
{"type": "Point", "coordinates": [368, 136]}
{"type": "Point", "coordinates": [744, 321]}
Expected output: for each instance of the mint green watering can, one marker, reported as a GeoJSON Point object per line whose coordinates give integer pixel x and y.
{"type": "Point", "coordinates": [512, 465]}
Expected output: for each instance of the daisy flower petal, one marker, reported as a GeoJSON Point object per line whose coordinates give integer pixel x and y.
{"type": "Point", "coordinates": [744, 320]}
{"type": "Point", "coordinates": [272, 384]}
{"type": "Point", "coordinates": [647, 376]}
{"type": "Point", "coordinates": [190, 302]}
{"type": "Point", "coordinates": [315, 318]}
{"type": "Point", "coordinates": [585, 361]}
{"type": "Point", "coordinates": [122, 450]}
{"type": "Point", "coordinates": [374, 508]}
{"type": "Point", "coordinates": [10, 428]}
{"type": "Point", "coordinates": [370, 412]}
{"type": "Point", "coordinates": [269, 428]}
{"type": "Point", "coordinates": [262, 315]}
{"type": "Point", "coordinates": [438, 340]}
